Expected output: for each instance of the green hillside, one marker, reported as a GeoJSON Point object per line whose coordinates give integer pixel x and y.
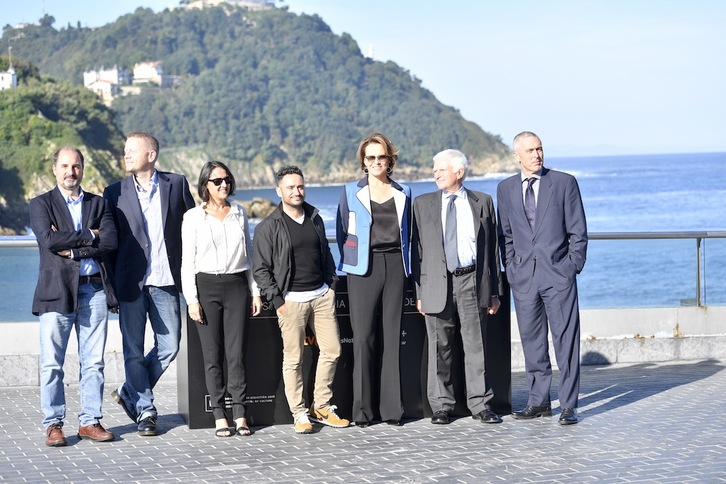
{"type": "Point", "coordinates": [260, 89]}
{"type": "Point", "coordinates": [37, 118]}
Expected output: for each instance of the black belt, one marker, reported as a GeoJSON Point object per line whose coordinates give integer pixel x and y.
{"type": "Point", "coordinates": [90, 279]}
{"type": "Point", "coordinates": [464, 270]}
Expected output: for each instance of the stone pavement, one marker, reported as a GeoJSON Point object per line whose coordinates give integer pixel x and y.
{"type": "Point", "coordinates": [654, 422]}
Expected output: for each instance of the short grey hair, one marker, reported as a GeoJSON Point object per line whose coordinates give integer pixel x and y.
{"type": "Point", "coordinates": [454, 158]}
{"type": "Point", "coordinates": [523, 134]}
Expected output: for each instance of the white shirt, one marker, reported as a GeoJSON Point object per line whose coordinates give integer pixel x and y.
{"type": "Point", "coordinates": [158, 271]}
{"type": "Point", "coordinates": [213, 246]}
{"type": "Point", "coordinates": [465, 233]}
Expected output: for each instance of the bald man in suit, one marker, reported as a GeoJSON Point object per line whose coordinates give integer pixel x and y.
{"type": "Point", "coordinates": [458, 281]}
{"type": "Point", "coordinates": [543, 238]}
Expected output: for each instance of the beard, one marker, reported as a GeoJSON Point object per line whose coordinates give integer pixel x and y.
{"type": "Point", "coordinates": [71, 183]}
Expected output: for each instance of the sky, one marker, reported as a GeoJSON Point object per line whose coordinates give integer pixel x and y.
{"type": "Point", "coordinates": [591, 78]}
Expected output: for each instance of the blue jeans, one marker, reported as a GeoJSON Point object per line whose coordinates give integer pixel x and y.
{"type": "Point", "coordinates": [91, 323]}
{"type": "Point", "coordinates": [161, 304]}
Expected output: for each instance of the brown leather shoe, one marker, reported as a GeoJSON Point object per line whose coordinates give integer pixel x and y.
{"type": "Point", "coordinates": [54, 436]}
{"type": "Point", "coordinates": [95, 432]}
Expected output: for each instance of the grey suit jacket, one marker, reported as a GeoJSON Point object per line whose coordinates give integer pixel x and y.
{"type": "Point", "coordinates": [57, 288]}
{"type": "Point", "coordinates": [132, 255]}
{"type": "Point", "coordinates": [428, 262]}
{"type": "Point", "coordinates": [558, 243]}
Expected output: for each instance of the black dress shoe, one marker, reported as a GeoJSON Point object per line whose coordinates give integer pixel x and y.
{"type": "Point", "coordinates": [533, 412]}
{"type": "Point", "coordinates": [440, 417]}
{"type": "Point", "coordinates": [147, 427]}
{"type": "Point", "coordinates": [119, 399]}
{"type": "Point", "coordinates": [394, 423]}
{"type": "Point", "coordinates": [487, 416]}
{"type": "Point", "coordinates": [568, 416]}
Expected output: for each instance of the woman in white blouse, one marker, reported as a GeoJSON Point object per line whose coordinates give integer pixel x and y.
{"type": "Point", "coordinates": [217, 284]}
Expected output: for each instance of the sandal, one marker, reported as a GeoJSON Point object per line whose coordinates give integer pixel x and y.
{"type": "Point", "coordinates": [224, 432]}
{"type": "Point", "coordinates": [242, 430]}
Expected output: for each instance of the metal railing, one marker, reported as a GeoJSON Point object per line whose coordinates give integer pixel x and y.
{"type": "Point", "coordinates": [698, 237]}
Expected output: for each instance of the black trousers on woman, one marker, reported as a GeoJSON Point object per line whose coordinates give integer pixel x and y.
{"type": "Point", "coordinates": [225, 300]}
{"type": "Point", "coordinates": [376, 309]}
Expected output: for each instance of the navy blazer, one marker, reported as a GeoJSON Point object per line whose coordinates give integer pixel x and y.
{"type": "Point", "coordinates": [558, 243]}
{"type": "Point", "coordinates": [428, 261]}
{"type": "Point", "coordinates": [132, 256]}
{"type": "Point", "coordinates": [58, 277]}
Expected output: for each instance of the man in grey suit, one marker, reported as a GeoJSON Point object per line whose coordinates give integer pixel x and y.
{"type": "Point", "coordinates": [543, 236]}
{"type": "Point", "coordinates": [148, 208]}
{"type": "Point", "coordinates": [455, 264]}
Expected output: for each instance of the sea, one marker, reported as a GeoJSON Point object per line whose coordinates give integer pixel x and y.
{"type": "Point", "coordinates": [622, 194]}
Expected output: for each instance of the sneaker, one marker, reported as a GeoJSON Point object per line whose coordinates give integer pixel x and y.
{"type": "Point", "coordinates": [327, 416]}
{"type": "Point", "coordinates": [303, 425]}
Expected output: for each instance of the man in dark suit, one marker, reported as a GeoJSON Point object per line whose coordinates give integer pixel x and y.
{"type": "Point", "coordinates": [543, 236]}
{"type": "Point", "coordinates": [148, 207]}
{"type": "Point", "coordinates": [455, 264]}
{"type": "Point", "coordinates": [75, 232]}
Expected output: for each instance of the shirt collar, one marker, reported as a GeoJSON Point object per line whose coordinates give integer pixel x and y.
{"type": "Point", "coordinates": [536, 176]}
{"type": "Point", "coordinates": [70, 201]}
{"type": "Point", "coordinates": [152, 182]}
{"type": "Point", "coordinates": [460, 193]}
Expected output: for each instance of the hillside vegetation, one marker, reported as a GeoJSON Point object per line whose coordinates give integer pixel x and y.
{"type": "Point", "coordinates": [258, 90]}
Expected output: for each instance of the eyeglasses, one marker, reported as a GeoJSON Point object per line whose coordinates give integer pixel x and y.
{"type": "Point", "coordinates": [372, 159]}
{"type": "Point", "coordinates": [218, 181]}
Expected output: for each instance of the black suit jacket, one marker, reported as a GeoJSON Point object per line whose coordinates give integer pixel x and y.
{"type": "Point", "coordinates": [132, 255]}
{"type": "Point", "coordinates": [57, 288]}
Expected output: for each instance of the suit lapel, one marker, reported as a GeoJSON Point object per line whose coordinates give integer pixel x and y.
{"type": "Point", "coordinates": [476, 207]}
{"type": "Point", "coordinates": [63, 217]}
{"type": "Point", "coordinates": [543, 198]}
{"type": "Point", "coordinates": [164, 193]}
{"type": "Point", "coordinates": [130, 201]}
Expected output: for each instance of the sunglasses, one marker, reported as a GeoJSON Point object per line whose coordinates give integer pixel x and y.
{"type": "Point", "coordinates": [373, 159]}
{"type": "Point", "coordinates": [218, 181]}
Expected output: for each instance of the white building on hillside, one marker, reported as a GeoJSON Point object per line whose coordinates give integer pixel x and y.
{"type": "Point", "coordinates": [8, 79]}
{"type": "Point", "coordinates": [117, 76]}
{"type": "Point", "coordinates": [151, 73]}
{"type": "Point", "coordinates": [248, 4]}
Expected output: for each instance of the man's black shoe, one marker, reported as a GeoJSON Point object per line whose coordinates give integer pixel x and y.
{"type": "Point", "coordinates": [487, 416]}
{"type": "Point", "coordinates": [533, 412]}
{"type": "Point", "coordinates": [440, 417]}
{"type": "Point", "coordinates": [568, 416]}
{"type": "Point", "coordinates": [119, 399]}
{"type": "Point", "coordinates": [147, 427]}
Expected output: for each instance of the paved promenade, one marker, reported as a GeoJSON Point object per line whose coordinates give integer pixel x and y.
{"type": "Point", "coordinates": [660, 422]}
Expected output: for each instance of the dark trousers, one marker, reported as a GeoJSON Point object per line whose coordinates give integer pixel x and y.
{"type": "Point", "coordinates": [534, 309]}
{"type": "Point", "coordinates": [463, 312]}
{"type": "Point", "coordinates": [376, 309]}
{"type": "Point", "coordinates": [225, 300]}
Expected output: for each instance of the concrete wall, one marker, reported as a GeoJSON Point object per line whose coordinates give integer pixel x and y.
{"type": "Point", "coordinates": [608, 336]}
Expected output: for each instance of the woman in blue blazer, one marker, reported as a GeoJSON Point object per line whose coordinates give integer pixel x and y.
{"type": "Point", "coordinates": [373, 227]}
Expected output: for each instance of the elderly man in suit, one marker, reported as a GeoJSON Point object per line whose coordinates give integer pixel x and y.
{"type": "Point", "coordinates": [75, 232]}
{"type": "Point", "coordinates": [543, 236]}
{"type": "Point", "coordinates": [455, 266]}
{"type": "Point", "coordinates": [148, 208]}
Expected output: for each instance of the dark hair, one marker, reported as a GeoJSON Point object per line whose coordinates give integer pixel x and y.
{"type": "Point", "coordinates": [382, 140]}
{"type": "Point", "coordinates": [288, 170]}
{"type": "Point", "coordinates": [67, 148]}
{"type": "Point", "coordinates": [146, 137]}
{"type": "Point", "coordinates": [204, 175]}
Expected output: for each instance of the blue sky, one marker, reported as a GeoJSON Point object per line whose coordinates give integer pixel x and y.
{"type": "Point", "coordinates": [590, 77]}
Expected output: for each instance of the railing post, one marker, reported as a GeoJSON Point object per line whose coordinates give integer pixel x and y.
{"type": "Point", "coordinates": [699, 301]}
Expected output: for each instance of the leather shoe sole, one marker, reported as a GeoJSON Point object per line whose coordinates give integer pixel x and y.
{"type": "Point", "coordinates": [118, 399]}
{"type": "Point", "coordinates": [530, 412]}
{"type": "Point", "coordinates": [147, 427]}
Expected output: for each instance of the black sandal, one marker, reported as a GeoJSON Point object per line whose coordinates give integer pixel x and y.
{"type": "Point", "coordinates": [243, 431]}
{"type": "Point", "coordinates": [224, 432]}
